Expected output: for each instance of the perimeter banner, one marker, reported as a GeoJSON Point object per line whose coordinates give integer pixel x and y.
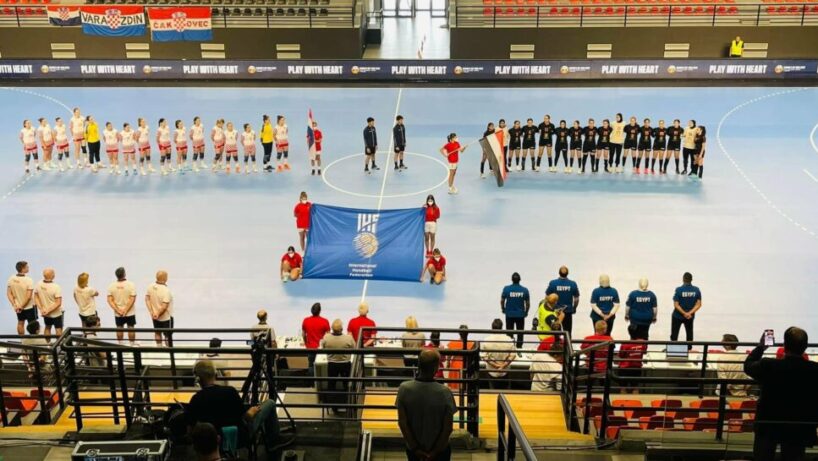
{"type": "Point", "coordinates": [360, 244]}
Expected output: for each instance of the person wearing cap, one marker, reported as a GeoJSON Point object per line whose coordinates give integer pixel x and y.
{"type": "Point", "coordinates": [641, 308]}
{"type": "Point", "coordinates": [604, 303]}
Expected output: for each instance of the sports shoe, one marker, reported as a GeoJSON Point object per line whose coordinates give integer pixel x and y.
{"type": "Point", "coordinates": [375, 167]}
{"type": "Point", "coordinates": [62, 168]}
{"type": "Point", "coordinates": [366, 171]}
{"type": "Point", "coordinates": [255, 168]}
{"type": "Point", "coordinates": [164, 171]}
{"type": "Point", "coordinates": [268, 168]}
{"type": "Point", "coordinates": [142, 171]}
{"type": "Point", "coordinates": [195, 168]}
{"type": "Point", "coordinates": [127, 172]}
{"type": "Point", "coordinates": [202, 164]}
{"type": "Point", "coordinates": [247, 170]}
{"type": "Point", "coordinates": [287, 166]}
{"type": "Point", "coordinates": [566, 170]}
{"type": "Point", "coordinates": [27, 171]}
{"type": "Point", "coordinates": [150, 168]}
{"type": "Point", "coordinates": [312, 172]}
{"type": "Point", "coordinates": [279, 168]}
{"type": "Point", "coordinates": [403, 167]}
{"type": "Point", "coordinates": [451, 191]}
{"type": "Point", "coordinates": [482, 175]}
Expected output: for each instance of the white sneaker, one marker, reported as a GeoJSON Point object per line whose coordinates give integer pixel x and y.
{"type": "Point", "coordinates": [150, 168]}
{"type": "Point", "coordinates": [202, 164]}
{"type": "Point", "coordinates": [62, 168]}
{"type": "Point", "coordinates": [246, 170]}
{"type": "Point", "coordinates": [451, 190]}
{"type": "Point", "coordinates": [46, 167]}
{"type": "Point", "coordinates": [164, 171]}
{"type": "Point", "coordinates": [255, 168]}
{"type": "Point", "coordinates": [94, 168]}
{"type": "Point", "coordinates": [171, 169]}
{"type": "Point", "coordinates": [111, 171]}
{"type": "Point", "coordinates": [54, 165]}
{"type": "Point", "coordinates": [142, 171]}
{"type": "Point", "coordinates": [482, 175]}
{"type": "Point", "coordinates": [195, 167]}
{"type": "Point", "coordinates": [118, 171]}
{"type": "Point", "coordinates": [69, 165]}
{"type": "Point", "coordinates": [455, 190]}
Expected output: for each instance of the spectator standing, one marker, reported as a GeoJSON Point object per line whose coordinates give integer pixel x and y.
{"type": "Point", "coordinates": [122, 299]}
{"type": "Point", "coordinates": [604, 303]}
{"type": "Point", "coordinates": [362, 320]}
{"type": "Point", "coordinates": [412, 340]}
{"type": "Point", "coordinates": [641, 309]}
{"type": "Point", "coordinates": [339, 364]}
{"type": "Point", "coordinates": [631, 354]}
{"type": "Point", "coordinates": [301, 212]}
{"type": "Point", "coordinates": [687, 300]}
{"type": "Point", "coordinates": [48, 297]}
{"type": "Point", "coordinates": [568, 293]}
{"type": "Point", "coordinates": [600, 356]}
{"type": "Point", "coordinates": [85, 297]}
{"type": "Point", "coordinates": [457, 362]}
{"type": "Point", "coordinates": [313, 329]}
{"type": "Point", "coordinates": [730, 365]}
{"type": "Point", "coordinates": [425, 412]}
{"type": "Point", "coordinates": [787, 410]}
{"type": "Point", "coordinates": [548, 318]}
{"type": "Point", "coordinates": [498, 352]}
{"type": "Point", "coordinates": [20, 293]}
{"type": "Point", "coordinates": [515, 303]}
{"type": "Point", "coordinates": [159, 301]}
{"type": "Point", "coordinates": [262, 328]}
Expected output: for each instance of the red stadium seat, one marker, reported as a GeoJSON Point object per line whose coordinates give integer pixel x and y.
{"type": "Point", "coordinates": [740, 425]}
{"type": "Point", "coordinates": [532, 11]}
{"type": "Point", "coordinates": [22, 406]}
{"type": "Point", "coordinates": [633, 414]}
{"type": "Point", "coordinates": [594, 406]}
{"type": "Point", "coordinates": [620, 10]}
{"type": "Point", "coordinates": [575, 11]}
{"type": "Point", "coordinates": [51, 399]}
{"type": "Point", "coordinates": [668, 406]}
{"type": "Point", "coordinates": [656, 422]}
{"type": "Point", "coordinates": [700, 424]}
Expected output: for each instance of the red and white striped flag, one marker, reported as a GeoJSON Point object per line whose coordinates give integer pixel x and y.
{"type": "Point", "coordinates": [493, 148]}
{"type": "Point", "coordinates": [310, 134]}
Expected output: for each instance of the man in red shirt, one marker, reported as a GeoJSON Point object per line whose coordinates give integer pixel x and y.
{"type": "Point", "coordinates": [302, 218]}
{"type": "Point", "coordinates": [313, 329]}
{"type": "Point", "coordinates": [436, 267]}
{"type": "Point", "coordinates": [291, 264]}
{"type": "Point", "coordinates": [600, 355]}
{"type": "Point", "coordinates": [631, 355]}
{"type": "Point", "coordinates": [354, 327]}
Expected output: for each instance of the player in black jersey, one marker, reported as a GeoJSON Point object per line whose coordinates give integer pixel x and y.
{"type": "Point", "coordinates": [589, 145]}
{"type": "Point", "coordinates": [546, 129]}
{"type": "Point", "coordinates": [515, 142]}
{"type": "Point", "coordinates": [674, 143]}
{"type": "Point", "coordinates": [645, 141]}
{"type": "Point", "coordinates": [603, 145]}
{"type": "Point", "coordinates": [631, 140]}
{"type": "Point", "coordinates": [489, 130]}
{"type": "Point", "coordinates": [701, 147]}
{"type": "Point", "coordinates": [575, 133]}
{"type": "Point", "coordinates": [659, 143]}
{"type": "Point", "coordinates": [561, 146]}
{"type": "Point", "coordinates": [529, 143]}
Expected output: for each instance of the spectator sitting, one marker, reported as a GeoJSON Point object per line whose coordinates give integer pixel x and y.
{"type": "Point", "coordinates": [261, 328]}
{"type": "Point", "coordinates": [434, 343]}
{"type": "Point", "coordinates": [34, 329]}
{"type": "Point", "coordinates": [425, 412]}
{"type": "Point", "coordinates": [313, 330]}
{"type": "Point", "coordinates": [94, 359]}
{"type": "Point", "coordinates": [206, 442]}
{"type": "Point", "coordinates": [548, 317]}
{"type": "Point", "coordinates": [498, 352]}
{"type": "Point", "coordinates": [788, 404]}
{"type": "Point", "coordinates": [546, 367]}
{"type": "Point", "coordinates": [339, 364]}
{"type": "Point", "coordinates": [456, 362]}
{"type": "Point", "coordinates": [600, 356]}
{"type": "Point", "coordinates": [730, 365]}
{"type": "Point", "coordinates": [354, 327]}
{"type": "Point", "coordinates": [412, 340]}
{"type": "Point", "coordinates": [631, 355]}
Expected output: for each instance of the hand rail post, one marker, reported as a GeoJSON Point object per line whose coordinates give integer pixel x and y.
{"type": "Point", "coordinates": [58, 376]}
{"type": "Point", "coordinates": [703, 371]}
{"type": "Point", "coordinates": [112, 385]}
{"type": "Point", "coordinates": [169, 338]}
{"type": "Point", "coordinates": [73, 389]}
{"type": "Point", "coordinates": [606, 392]}
{"type": "Point", "coordinates": [721, 418]}
{"type": "Point", "coordinates": [44, 416]}
{"type": "Point", "coordinates": [123, 383]}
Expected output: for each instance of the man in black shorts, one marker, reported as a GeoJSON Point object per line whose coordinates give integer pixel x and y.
{"type": "Point", "coordinates": [370, 145]}
{"type": "Point", "coordinates": [20, 293]}
{"type": "Point", "coordinates": [546, 129]}
{"type": "Point", "coordinates": [399, 135]}
{"type": "Point", "coordinates": [529, 143]}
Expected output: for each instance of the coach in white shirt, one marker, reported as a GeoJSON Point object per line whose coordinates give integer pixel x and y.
{"type": "Point", "coordinates": [49, 299]}
{"type": "Point", "coordinates": [20, 293]}
{"type": "Point", "coordinates": [159, 301]}
{"type": "Point", "coordinates": [122, 299]}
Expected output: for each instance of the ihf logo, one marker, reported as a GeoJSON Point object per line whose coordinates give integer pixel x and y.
{"type": "Point", "coordinates": [365, 241]}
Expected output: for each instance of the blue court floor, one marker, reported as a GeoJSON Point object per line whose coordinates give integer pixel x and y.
{"type": "Point", "coordinates": [747, 232]}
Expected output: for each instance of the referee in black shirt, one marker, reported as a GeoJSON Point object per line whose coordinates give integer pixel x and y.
{"type": "Point", "coordinates": [370, 145]}
{"type": "Point", "coordinates": [399, 134]}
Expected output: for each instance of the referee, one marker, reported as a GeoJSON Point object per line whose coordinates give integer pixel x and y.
{"type": "Point", "coordinates": [399, 135]}
{"type": "Point", "coordinates": [568, 293]}
{"type": "Point", "coordinates": [370, 145]}
{"type": "Point", "coordinates": [515, 303]}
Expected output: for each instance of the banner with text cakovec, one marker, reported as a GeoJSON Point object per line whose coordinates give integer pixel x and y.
{"type": "Point", "coordinates": [360, 244]}
{"type": "Point", "coordinates": [190, 23]}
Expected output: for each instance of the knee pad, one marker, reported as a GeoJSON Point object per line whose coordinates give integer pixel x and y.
{"type": "Point", "coordinates": [286, 153]}
{"type": "Point", "coordinates": [246, 158]}
{"type": "Point", "coordinates": [253, 158]}
{"type": "Point", "coordinates": [35, 155]}
{"type": "Point", "coordinates": [28, 157]}
{"type": "Point", "coordinates": [278, 155]}
{"type": "Point", "coordinates": [84, 150]}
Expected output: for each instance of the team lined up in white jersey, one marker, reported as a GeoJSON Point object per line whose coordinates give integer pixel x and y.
{"type": "Point", "coordinates": [89, 140]}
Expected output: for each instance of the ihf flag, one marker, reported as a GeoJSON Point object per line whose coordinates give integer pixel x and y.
{"type": "Point", "coordinates": [180, 23]}
{"type": "Point", "coordinates": [355, 244]}
{"type": "Point", "coordinates": [493, 148]}
{"type": "Point", "coordinates": [113, 21]}
{"type": "Point", "coordinates": [64, 15]}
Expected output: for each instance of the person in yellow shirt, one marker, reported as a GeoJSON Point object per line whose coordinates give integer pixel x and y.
{"type": "Point", "coordinates": [548, 317]}
{"type": "Point", "coordinates": [267, 138]}
{"type": "Point", "coordinates": [736, 47]}
{"type": "Point", "coordinates": [92, 138]}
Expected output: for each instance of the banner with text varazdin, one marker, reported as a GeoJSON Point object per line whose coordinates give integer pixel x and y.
{"type": "Point", "coordinates": [113, 21]}
{"type": "Point", "coordinates": [359, 244]}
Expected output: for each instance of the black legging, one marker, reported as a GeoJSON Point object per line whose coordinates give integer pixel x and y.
{"type": "Point", "coordinates": [561, 150]}
{"type": "Point", "coordinates": [616, 154]}
{"type": "Point", "coordinates": [93, 152]}
{"type": "Point", "coordinates": [268, 151]}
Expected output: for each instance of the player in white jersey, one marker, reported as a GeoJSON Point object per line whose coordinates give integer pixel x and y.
{"type": "Point", "coordinates": [111, 138]}
{"type": "Point", "coordinates": [77, 126]}
{"type": "Point", "coordinates": [28, 137]}
{"type": "Point", "coordinates": [163, 141]}
{"type": "Point", "coordinates": [197, 136]}
{"type": "Point", "coordinates": [248, 141]}
{"type": "Point", "coordinates": [180, 140]}
{"type": "Point", "coordinates": [128, 139]}
{"type": "Point", "coordinates": [144, 142]}
{"type": "Point", "coordinates": [61, 140]}
{"type": "Point", "coordinates": [45, 136]}
{"type": "Point", "coordinates": [217, 136]}
{"type": "Point", "coordinates": [231, 147]}
{"type": "Point", "coordinates": [282, 143]}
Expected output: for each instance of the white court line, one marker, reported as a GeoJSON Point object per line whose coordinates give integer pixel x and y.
{"type": "Point", "coordinates": [405, 194]}
{"type": "Point", "coordinates": [385, 174]}
{"type": "Point", "coordinates": [743, 174]}
{"type": "Point", "coordinates": [812, 138]}
{"type": "Point", "coordinates": [810, 175]}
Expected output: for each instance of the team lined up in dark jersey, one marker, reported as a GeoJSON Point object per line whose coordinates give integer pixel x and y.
{"type": "Point", "coordinates": [608, 145]}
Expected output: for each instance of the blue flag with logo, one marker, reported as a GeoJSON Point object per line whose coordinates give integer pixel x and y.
{"type": "Point", "coordinates": [358, 244]}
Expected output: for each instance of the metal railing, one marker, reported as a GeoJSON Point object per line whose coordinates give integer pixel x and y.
{"type": "Point", "coordinates": [511, 434]}
{"type": "Point", "coordinates": [527, 13]}
{"type": "Point", "coordinates": [31, 389]}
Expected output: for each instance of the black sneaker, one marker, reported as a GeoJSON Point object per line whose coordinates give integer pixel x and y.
{"type": "Point", "coordinates": [366, 170]}
{"type": "Point", "coordinates": [375, 167]}
{"type": "Point", "coordinates": [313, 172]}
{"type": "Point", "coordinates": [403, 167]}
{"type": "Point", "coordinates": [319, 172]}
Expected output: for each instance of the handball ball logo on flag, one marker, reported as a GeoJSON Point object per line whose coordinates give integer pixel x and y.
{"type": "Point", "coordinates": [355, 244]}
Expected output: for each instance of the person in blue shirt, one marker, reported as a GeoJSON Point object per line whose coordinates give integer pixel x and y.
{"type": "Point", "coordinates": [568, 292]}
{"type": "Point", "coordinates": [515, 302]}
{"type": "Point", "coordinates": [641, 308]}
{"type": "Point", "coordinates": [604, 303]}
{"type": "Point", "coordinates": [687, 300]}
